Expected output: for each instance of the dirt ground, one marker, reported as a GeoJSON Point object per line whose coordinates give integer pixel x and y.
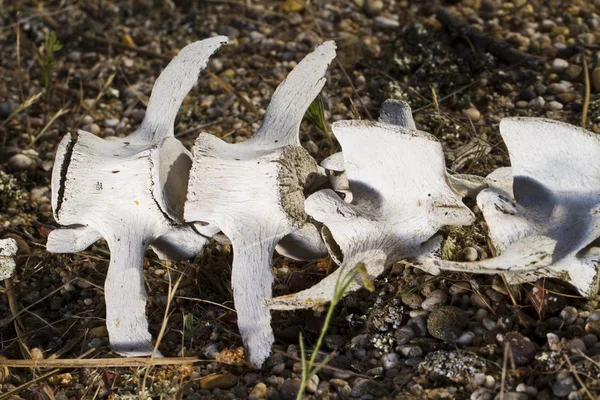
{"type": "Point", "coordinates": [461, 75]}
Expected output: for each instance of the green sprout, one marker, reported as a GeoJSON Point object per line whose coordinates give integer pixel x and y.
{"type": "Point", "coordinates": [341, 286]}
{"type": "Point", "coordinates": [46, 58]}
{"type": "Point", "coordinates": [316, 115]}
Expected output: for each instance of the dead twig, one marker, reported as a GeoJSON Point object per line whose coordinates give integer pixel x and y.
{"type": "Point", "coordinates": [486, 43]}
{"type": "Point", "coordinates": [576, 375]}
{"type": "Point", "coordinates": [101, 362]}
{"type": "Point", "coordinates": [586, 98]}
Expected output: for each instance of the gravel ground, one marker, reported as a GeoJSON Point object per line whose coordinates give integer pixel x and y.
{"type": "Point", "coordinates": [453, 336]}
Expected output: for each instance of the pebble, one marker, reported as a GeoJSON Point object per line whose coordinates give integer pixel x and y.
{"type": "Point", "coordinates": [221, 381]}
{"type": "Point", "coordinates": [565, 384]}
{"type": "Point", "coordinates": [553, 341]}
{"type": "Point", "coordinates": [488, 324]}
{"type": "Point", "coordinates": [411, 351]}
{"type": "Point", "coordinates": [482, 394]}
{"type": "Point", "coordinates": [413, 300]}
{"type": "Point", "coordinates": [573, 72]}
{"type": "Point", "coordinates": [521, 104]}
{"type": "Point", "coordinates": [446, 317]}
{"type": "Point", "coordinates": [418, 325]}
{"type": "Point", "coordinates": [7, 108]}
{"type": "Point", "coordinates": [390, 360]}
{"type": "Point", "coordinates": [460, 288]}
{"type": "Point", "coordinates": [386, 23]}
{"type": "Point", "coordinates": [334, 342]}
{"type": "Point", "coordinates": [92, 128]}
{"type": "Point", "coordinates": [565, 98]}
{"type": "Point", "coordinates": [466, 338]}
{"type": "Point", "coordinates": [538, 103]}
{"type": "Point", "coordinates": [523, 349]}
{"type": "Point", "coordinates": [259, 392]}
{"type": "Point", "coordinates": [589, 340]}
{"type": "Point", "coordinates": [558, 88]}
{"type": "Point", "coordinates": [548, 25]}
{"type": "Point", "coordinates": [88, 301]}
{"type": "Point", "coordinates": [19, 162]}
{"type": "Point", "coordinates": [474, 115]}
{"type": "Point", "coordinates": [515, 396]}
{"type": "Point", "coordinates": [554, 105]}
{"type": "Point", "coordinates": [87, 120]}
{"type": "Point", "coordinates": [593, 327]}
{"type": "Point", "coordinates": [480, 300]}
{"type": "Point", "coordinates": [594, 316]}
{"type": "Point", "coordinates": [111, 123]}
{"type": "Point", "coordinates": [373, 8]}
{"type": "Point", "coordinates": [559, 65]}
{"type": "Point", "coordinates": [366, 386]}
{"type": "Point", "coordinates": [404, 335]}
{"type": "Point", "coordinates": [490, 382]}
{"type": "Point", "coordinates": [436, 298]}
{"type": "Point", "coordinates": [596, 79]}
{"type": "Point", "coordinates": [313, 384]}
{"type": "Point", "coordinates": [577, 345]}
{"type": "Point", "coordinates": [289, 389]}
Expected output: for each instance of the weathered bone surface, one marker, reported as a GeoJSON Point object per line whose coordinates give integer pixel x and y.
{"type": "Point", "coordinates": [8, 251]}
{"type": "Point", "coordinates": [401, 199]}
{"type": "Point", "coordinates": [131, 192]}
{"type": "Point", "coordinates": [551, 227]}
{"type": "Point", "coordinates": [254, 192]}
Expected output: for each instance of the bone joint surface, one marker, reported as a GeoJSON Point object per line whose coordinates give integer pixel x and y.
{"type": "Point", "coordinates": [131, 191]}
{"type": "Point", "coordinates": [254, 192]}
{"type": "Point", "coordinates": [400, 200]}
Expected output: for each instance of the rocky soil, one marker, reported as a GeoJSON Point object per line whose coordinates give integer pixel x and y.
{"type": "Point", "coordinates": [453, 336]}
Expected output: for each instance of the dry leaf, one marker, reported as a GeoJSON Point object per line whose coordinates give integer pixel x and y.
{"type": "Point", "coordinates": [231, 357]}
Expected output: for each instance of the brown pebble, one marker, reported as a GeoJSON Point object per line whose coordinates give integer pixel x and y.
{"type": "Point", "coordinates": [259, 392]}
{"type": "Point", "coordinates": [221, 381]}
{"type": "Point", "coordinates": [473, 114]}
{"type": "Point", "coordinates": [522, 348]}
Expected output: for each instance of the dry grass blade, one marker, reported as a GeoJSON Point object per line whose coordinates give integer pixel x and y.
{"type": "Point", "coordinates": [576, 375]}
{"type": "Point", "coordinates": [100, 362]}
{"type": "Point", "coordinates": [57, 115]}
{"type": "Point", "coordinates": [227, 87]}
{"type": "Point", "coordinates": [10, 394]}
{"type": "Point", "coordinates": [26, 104]}
{"type": "Point", "coordinates": [13, 305]}
{"type": "Point", "coordinates": [586, 98]}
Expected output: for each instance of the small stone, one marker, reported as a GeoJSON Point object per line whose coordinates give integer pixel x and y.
{"type": "Point", "coordinates": [436, 298]}
{"type": "Point", "coordinates": [92, 128]}
{"type": "Point", "coordinates": [488, 324]}
{"type": "Point", "coordinates": [523, 349]}
{"type": "Point", "coordinates": [515, 396]}
{"type": "Point", "coordinates": [565, 98]}
{"type": "Point", "coordinates": [589, 340]}
{"type": "Point", "coordinates": [390, 360]}
{"type": "Point", "coordinates": [220, 381]}
{"type": "Point", "coordinates": [19, 162]}
{"type": "Point", "coordinates": [311, 386]}
{"type": "Point", "coordinates": [593, 327]}
{"type": "Point", "coordinates": [490, 382]}
{"type": "Point", "coordinates": [480, 300]}
{"type": "Point", "coordinates": [559, 65]}
{"type": "Point", "coordinates": [290, 388]}
{"type": "Point", "coordinates": [572, 72]}
{"type": "Point", "coordinates": [7, 108]}
{"type": "Point", "coordinates": [469, 253]}
{"type": "Point", "coordinates": [594, 316]}
{"type": "Point", "coordinates": [521, 104]}
{"type": "Point", "coordinates": [411, 351]}
{"type": "Point", "coordinates": [373, 8]}
{"type": "Point", "coordinates": [366, 386]}
{"type": "Point", "coordinates": [446, 317]}
{"type": "Point", "coordinates": [334, 342]}
{"type": "Point", "coordinates": [596, 79]}
{"type": "Point", "coordinates": [386, 23]}
{"type": "Point", "coordinates": [554, 105]}
{"type": "Point", "coordinates": [413, 300]}
{"type": "Point", "coordinates": [553, 341]}
{"type": "Point", "coordinates": [474, 115]}
{"type": "Point", "coordinates": [466, 338]}
{"type": "Point", "coordinates": [576, 345]}
{"type": "Point", "coordinates": [482, 394]}
{"type": "Point", "coordinates": [560, 30]}
{"type": "Point", "coordinates": [259, 392]}
{"type": "Point", "coordinates": [460, 288]}
{"type": "Point", "coordinates": [404, 335]}
{"type": "Point", "coordinates": [338, 383]}
{"type": "Point", "coordinates": [111, 123]}
{"type": "Point", "coordinates": [564, 386]}
{"type": "Point", "coordinates": [88, 301]}
{"type": "Point", "coordinates": [558, 88]}
{"type": "Point", "coordinates": [548, 25]}
{"type": "Point", "coordinates": [87, 120]}
{"type": "Point", "coordinates": [418, 325]}
{"type": "Point", "coordinates": [538, 103]}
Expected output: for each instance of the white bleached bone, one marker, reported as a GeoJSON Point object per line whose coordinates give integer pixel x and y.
{"type": "Point", "coordinates": [254, 192]}
{"type": "Point", "coordinates": [131, 192]}
{"type": "Point", "coordinates": [401, 199]}
{"type": "Point", "coordinates": [8, 251]}
{"type": "Point", "coordinates": [551, 227]}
